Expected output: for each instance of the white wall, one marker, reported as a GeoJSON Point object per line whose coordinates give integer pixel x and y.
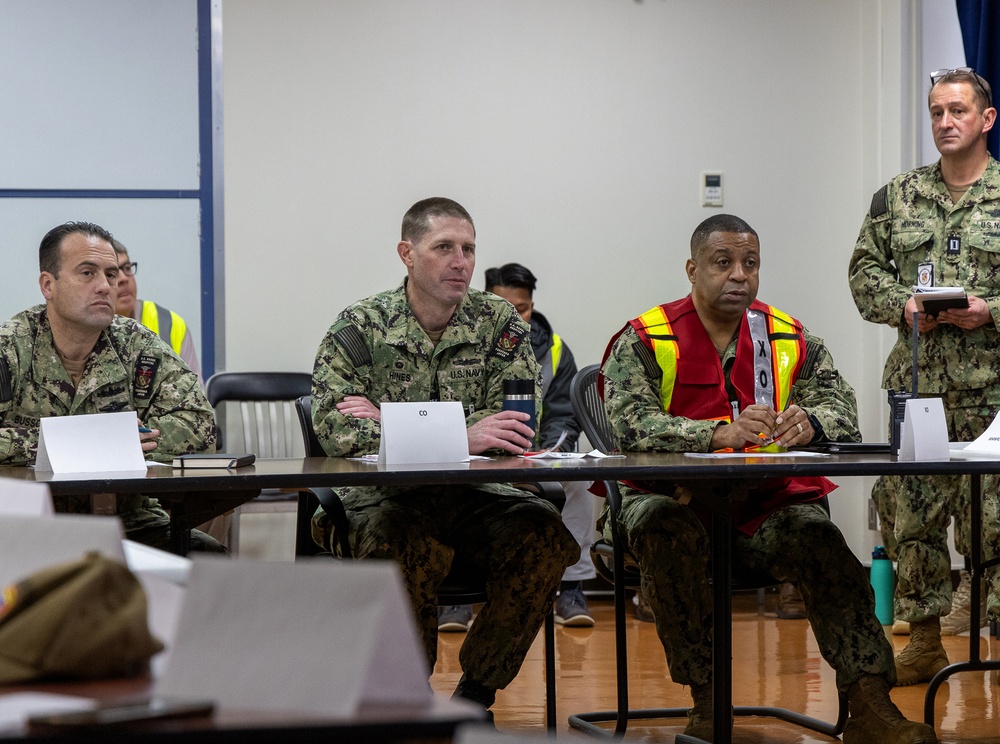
{"type": "Point", "coordinates": [574, 131]}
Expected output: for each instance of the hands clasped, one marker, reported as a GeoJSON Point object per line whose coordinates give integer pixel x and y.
{"type": "Point", "coordinates": [761, 424]}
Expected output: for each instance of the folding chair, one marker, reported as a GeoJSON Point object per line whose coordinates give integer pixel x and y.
{"type": "Point", "coordinates": [458, 588]}
{"type": "Point", "coordinates": [255, 412]}
{"type": "Point", "coordinates": [622, 570]}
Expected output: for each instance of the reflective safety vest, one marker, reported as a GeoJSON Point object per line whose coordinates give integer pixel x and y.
{"type": "Point", "coordinates": [770, 350]}
{"type": "Point", "coordinates": [167, 324]}
{"type": "Point", "coordinates": [550, 363]}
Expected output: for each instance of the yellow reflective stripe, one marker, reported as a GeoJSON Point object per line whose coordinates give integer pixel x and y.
{"type": "Point", "coordinates": [666, 351]}
{"type": "Point", "coordinates": [784, 356]}
{"type": "Point", "coordinates": [177, 332]}
{"type": "Point", "coordinates": [557, 347]}
{"type": "Point", "coordinates": [151, 319]}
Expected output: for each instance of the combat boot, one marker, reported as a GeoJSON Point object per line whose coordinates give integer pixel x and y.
{"type": "Point", "coordinates": [924, 656]}
{"type": "Point", "coordinates": [700, 717]}
{"type": "Point", "coordinates": [960, 617]}
{"type": "Point", "coordinates": [875, 719]}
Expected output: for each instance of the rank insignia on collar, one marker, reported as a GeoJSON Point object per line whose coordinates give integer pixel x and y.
{"type": "Point", "coordinates": [145, 377]}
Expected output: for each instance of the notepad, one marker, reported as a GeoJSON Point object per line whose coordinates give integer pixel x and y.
{"type": "Point", "coordinates": [932, 300]}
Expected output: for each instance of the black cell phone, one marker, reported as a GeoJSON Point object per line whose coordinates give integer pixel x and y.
{"type": "Point", "coordinates": [117, 715]}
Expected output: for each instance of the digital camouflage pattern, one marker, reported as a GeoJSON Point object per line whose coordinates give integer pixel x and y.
{"type": "Point", "coordinates": [130, 369]}
{"type": "Point", "coordinates": [908, 224]}
{"type": "Point", "coordinates": [377, 349]}
{"type": "Point", "coordinates": [796, 543]}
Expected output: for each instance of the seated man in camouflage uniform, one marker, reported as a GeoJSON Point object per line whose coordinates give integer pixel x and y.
{"type": "Point", "coordinates": [717, 370]}
{"type": "Point", "coordinates": [73, 355]}
{"type": "Point", "coordinates": [434, 338]}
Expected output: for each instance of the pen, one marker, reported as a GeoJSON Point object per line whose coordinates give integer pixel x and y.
{"type": "Point", "coordinates": [145, 430]}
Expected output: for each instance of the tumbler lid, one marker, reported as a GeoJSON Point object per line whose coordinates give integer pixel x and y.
{"type": "Point", "coordinates": [518, 387]}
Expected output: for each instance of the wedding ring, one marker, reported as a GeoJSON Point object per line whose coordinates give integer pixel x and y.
{"type": "Point", "coordinates": [799, 427]}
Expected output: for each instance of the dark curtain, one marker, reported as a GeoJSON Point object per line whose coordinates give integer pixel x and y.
{"type": "Point", "coordinates": [980, 22]}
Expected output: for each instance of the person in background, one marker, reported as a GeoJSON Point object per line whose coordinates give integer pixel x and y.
{"type": "Point", "coordinates": [174, 331]}
{"type": "Point", "coordinates": [516, 284]}
{"type": "Point", "coordinates": [434, 338]}
{"type": "Point", "coordinates": [167, 324]}
{"type": "Point", "coordinates": [936, 226]}
{"type": "Point", "coordinates": [74, 355]}
{"type": "Point", "coordinates": [721, 370]}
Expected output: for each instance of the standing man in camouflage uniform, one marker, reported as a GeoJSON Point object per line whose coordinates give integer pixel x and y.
{"type": "Point", "coordinates": [718, 370]}
{"type": "Point", "coordinates": [73, 356]}
{"type": "Point", "coordinates": [938, 225]}
{"type": "Point", "coordinates": [434, 338]}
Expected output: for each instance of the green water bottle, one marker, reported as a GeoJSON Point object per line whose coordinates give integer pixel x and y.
{"type": "Point", "coordinates": [883, 583]}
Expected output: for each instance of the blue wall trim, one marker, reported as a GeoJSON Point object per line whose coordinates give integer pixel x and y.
{"type": "Point", "coordinates": [205, 186]}
{"type": "Point", "coordinates": [98, 194]}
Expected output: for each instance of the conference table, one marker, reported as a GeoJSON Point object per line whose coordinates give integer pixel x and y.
{"type": "Point", "coordinates": [433, 723]}
{"type": "Point", "coordinates": [191, 495]}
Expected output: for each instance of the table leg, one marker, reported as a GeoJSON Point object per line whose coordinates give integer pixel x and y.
{"type": "Point", "coordinates": [977, 568]}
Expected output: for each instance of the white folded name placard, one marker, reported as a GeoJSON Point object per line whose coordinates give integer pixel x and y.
{"type": "Point", "coordinates": [92, 443]}
{"type": "Point", "coordinates": [316, 636]}
{"type": "Point", "coordinates": [24, 497]}
{"type": "Point", "coordinates": [987, 443]}
{"type": "Point", "coordinates": [31, 543]}
{"type": "Point", "coordinates": [423, 433]}
{"type": "Point", "coordinates": [925, 432]}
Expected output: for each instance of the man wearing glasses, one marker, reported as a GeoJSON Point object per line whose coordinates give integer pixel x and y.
{"type": "Point", "coordinates": [938, 226]}
{"type": "Point", "coordinates": [73, 356]}
{"type": "Point", "coordinates": [167, 324]}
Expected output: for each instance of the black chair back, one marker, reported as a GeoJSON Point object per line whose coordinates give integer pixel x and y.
{"type": "Point", "coordinates": [303, 406]}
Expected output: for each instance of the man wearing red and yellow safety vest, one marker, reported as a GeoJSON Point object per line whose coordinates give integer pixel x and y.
{"type": "Point", "coordinates": [720, 370]}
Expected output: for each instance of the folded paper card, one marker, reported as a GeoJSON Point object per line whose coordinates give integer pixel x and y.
{"type": "Point", "coordinates": [986, 444]}
{"type": "Point", "coordinates": [91, 443]}
{"type": "Point", "coordinates": [427, 432]}
{"type": "Point", "coordinates": [925, 432]}
{"type": "Point", "coordinates": [24, 497]}
{"type": "Point", "coordinates": [31, 543]}
{"type": "Point", "coordinates": [328, 637]}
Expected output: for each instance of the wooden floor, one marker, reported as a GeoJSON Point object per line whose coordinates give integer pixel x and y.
{"type": "Point", "coordinates": [776, 662]}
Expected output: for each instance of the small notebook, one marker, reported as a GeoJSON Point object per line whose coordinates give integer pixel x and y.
{"type": "Point", "coordinates": [214, 460]}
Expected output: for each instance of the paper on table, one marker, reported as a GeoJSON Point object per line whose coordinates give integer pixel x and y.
{"type": "Point", "coordinates": [987, 443]}
{"type": "Point", "coordinates": [549, 455]}
{"type": "Point", "coordinates": [755, 455]}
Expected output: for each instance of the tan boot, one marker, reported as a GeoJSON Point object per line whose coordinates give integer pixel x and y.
{"type": "Point", "coordinates": [790, 604]}
{"type": "Point", "coordinates": [875, 719]}
{"type": "Point", "coordinates": [924, 656]}
{"type": "Point", "coordinates": [700, 724]}
{"type": "Point", "coordinates": [958, 620]}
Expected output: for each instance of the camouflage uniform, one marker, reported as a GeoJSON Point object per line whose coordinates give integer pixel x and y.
{"type": "Point", "coordinates": [130, 369]}
{"type": "Point", "coordinates": [909, 223]}
{"type": "Point", "coordinates": [797, 542]}
{"type": "Point", "coordinates": [376, 349]}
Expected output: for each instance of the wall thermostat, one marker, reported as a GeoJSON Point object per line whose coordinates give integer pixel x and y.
{"type": "Point", "coordinates": [711, 189]}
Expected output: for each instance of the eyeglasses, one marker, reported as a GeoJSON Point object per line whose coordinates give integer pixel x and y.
{"type": "Point", "coordinates": [938, 74]}
{"type": "Point", "coordinates": [130, 268]}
